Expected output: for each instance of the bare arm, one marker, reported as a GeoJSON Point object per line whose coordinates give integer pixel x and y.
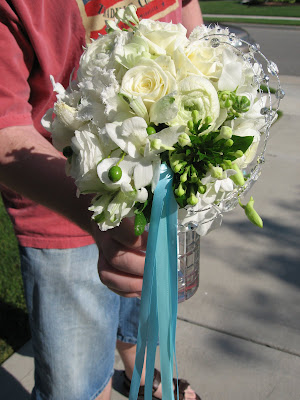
{"type": "Point", "coordinates": [191, 15]}
{"type": "Point", "coordinates": [31, 166]}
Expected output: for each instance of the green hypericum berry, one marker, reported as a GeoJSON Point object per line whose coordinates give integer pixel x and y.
{"type": "Point", "coordinates": [150, 130]}
{"type": "Point", "coordinates": [115, 173]}
{"type": "Point", "coordinates": [139, 224]}
{"type": "Point", "coordinates": [67, 151]}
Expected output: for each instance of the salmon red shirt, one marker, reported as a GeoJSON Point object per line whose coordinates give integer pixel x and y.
{"type": "Point", "coordinates": [39, 39]}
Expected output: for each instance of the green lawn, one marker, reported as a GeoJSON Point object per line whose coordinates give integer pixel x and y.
{"type": "Point", "coordinates": [236, 8]}
{"type": "Point", "coordinates": [14, 330]}
{"type": "Point", "coordinates": [246, 20]}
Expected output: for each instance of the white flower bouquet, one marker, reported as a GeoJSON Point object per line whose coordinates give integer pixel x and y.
{"type": "Point", "coordinates": [148, 95]}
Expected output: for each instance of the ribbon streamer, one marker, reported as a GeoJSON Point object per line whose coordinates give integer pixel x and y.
{"type": "Point", "coordinates": [158, 313]}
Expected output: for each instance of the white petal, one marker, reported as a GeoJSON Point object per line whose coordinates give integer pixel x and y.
{"type": "Point", "coordinates": [227, 184]}
{"type": "Point", "coordinates": [169, 136]}
{"type": "Point", "coordinates": [133, 125]}
{"type": "Point", "coordinates": [47, 119]}
{"type": "Point", "coordinates": [112, 130]}
{"type": "Point", "coordinates": [126, 187]}
{"type": "Point", "coordinates": [104, 167]}
{"type": "Point", "coordinates": [164, 110]}
{"type": "Point", "coordinates": [142, 195]}
{"type": "Point", "coordinates": [231, 76]}
{"type": "Point", "coordinates": [206, 227]}
{"type": "Point", "coordinates": [210, 195]}
{"type": "Point", "coordinates": [143, 174]}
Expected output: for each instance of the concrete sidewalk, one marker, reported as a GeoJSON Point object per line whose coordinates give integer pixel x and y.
{"type": "Point", "coordinates": [238, 338]}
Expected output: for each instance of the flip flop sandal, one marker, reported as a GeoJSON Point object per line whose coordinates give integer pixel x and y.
{"type": "Point", "coordinates": [182, 386]}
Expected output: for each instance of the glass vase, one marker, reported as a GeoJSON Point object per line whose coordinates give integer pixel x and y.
{"type": "Point", "coordinates": [188, 263]}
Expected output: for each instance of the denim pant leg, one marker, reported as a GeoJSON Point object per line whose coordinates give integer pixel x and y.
{"type": "Point", "coordinates": [128, 320]}
{"type": "Point", "coordinates": [74, 320]}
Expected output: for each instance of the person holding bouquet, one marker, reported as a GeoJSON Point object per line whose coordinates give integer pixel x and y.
{"type": "Point", "coordinates": [76, 320]}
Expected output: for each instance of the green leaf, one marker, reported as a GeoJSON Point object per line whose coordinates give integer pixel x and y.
{"type": "Point", "coordinates": [241, 143]}
{"type": "Point", "coordinates": [139, 207]}
{"type": "Point", "coordinates": [182, 202]}
{"type": "Point", "coordinates": [139, 223]}
{"type": "Point", "coordinates": [201, 156]}
{"type": "Point", "coordinates": [100, 218]}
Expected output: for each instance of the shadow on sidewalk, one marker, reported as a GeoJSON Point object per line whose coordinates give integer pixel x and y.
{"type": "Point", "coordinates": [14, 326]}
{"type": "Point", "coordinates": [11, 388]}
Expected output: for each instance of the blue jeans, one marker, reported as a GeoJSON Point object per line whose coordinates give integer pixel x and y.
{"type": "Point", "coordinates": [75, 321]}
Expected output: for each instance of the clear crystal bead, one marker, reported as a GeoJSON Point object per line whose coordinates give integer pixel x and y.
{"type": "Point", "coordinates": [232, 37]}
{"type": "Point", "coordinates": [238, 43]}
{"type": "Point", "coordinates": [265, 111]}
{"type": "Point", "coordinates": [261, 159]}
{"type": "Point", "coordinates": [228, 205]}
{"type": "Point", "coordinates": [272, 68]}
{"type": "Point", "coordinates": [247, 57]}
{"type": "Point", "coordinates": [256, 80]}
{"type": "Point", "coordinates": [279, 94]}
{"type": "Point", "coordinates": [215, 42]}
{"type": "Point", "coordinates": [192, 226]}
{"type": "Point", "coordinates": [266, 78]}
{"type": "Point", "coordinates": [253, 48]}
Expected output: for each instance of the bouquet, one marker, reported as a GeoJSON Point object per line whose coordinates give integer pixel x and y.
{"type": "Point", "coordinates": [148, 95]}
{"type": "Point", "coordinates": [157, 124]}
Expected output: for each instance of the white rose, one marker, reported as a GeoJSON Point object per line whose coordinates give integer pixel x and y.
{"type": "Point", "coordinates": [163, 37]}
{"type": "Point", "coordinates": [132, 52]}
{"type": "Point", "coordinates": [148, 81]}
{"type": "Point", "coordinates": [205, 58]}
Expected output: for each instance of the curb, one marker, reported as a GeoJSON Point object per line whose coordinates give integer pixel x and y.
{"type": "Point", "coordinates": [255, 17]}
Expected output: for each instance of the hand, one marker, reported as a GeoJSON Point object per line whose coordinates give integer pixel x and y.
{"type": "Point", "coordinates": [121, 258]}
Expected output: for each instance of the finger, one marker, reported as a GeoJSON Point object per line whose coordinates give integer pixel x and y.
{"type": "Point", "coordinates": [128, 295]}
{"type": "Point", "coordinates": [117, 280]}
{"type": "Point", "coordinates": [125, 235]}
{"type": "Point", "coordinates": [119, 257]}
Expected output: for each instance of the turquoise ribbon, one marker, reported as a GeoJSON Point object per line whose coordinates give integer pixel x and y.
{"type": "Point", "coordinates": [158, 313]}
